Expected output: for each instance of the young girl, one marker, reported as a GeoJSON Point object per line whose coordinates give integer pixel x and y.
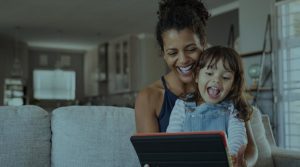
{"type": "Point", "coordinates": [220, 102]}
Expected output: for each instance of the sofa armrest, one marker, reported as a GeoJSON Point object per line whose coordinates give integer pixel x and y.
{"type": "Point", "coordinates": [284, 158]}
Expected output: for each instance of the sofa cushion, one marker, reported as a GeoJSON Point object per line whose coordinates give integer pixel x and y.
{"type": "Point", "coordinates": [93, 136]}
{"type": "Point", "coordinates": [264, 149]}
{"type": "Point", "coordinates": [24, 137]}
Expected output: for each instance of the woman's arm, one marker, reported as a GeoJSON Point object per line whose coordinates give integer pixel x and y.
{"type": "Point", "coordinates": [251, 153]}
{"type": "Point", "coordinates": [145, 111]}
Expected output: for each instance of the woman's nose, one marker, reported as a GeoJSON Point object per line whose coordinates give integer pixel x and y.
{"type": "Point", "coordinates": [182, 57]}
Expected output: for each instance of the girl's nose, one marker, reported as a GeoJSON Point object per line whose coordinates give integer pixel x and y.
{"type": "Point", "coordinates": [216, 79]}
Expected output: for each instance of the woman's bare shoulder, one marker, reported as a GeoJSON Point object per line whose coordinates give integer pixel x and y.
{"type": "Point", "coordinates": [147, 107]}
{"type": "Point", "coordinates": [152, 91]}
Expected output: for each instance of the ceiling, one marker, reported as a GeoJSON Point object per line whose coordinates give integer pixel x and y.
{"type": "Point", "coordinates": [79, 24]}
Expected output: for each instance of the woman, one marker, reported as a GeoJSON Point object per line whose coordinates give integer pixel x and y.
{"type": "Point", "coordinates": [180, 33]}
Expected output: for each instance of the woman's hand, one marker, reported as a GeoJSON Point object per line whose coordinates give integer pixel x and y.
{"type": "Point", "coordinates": [239, 160]}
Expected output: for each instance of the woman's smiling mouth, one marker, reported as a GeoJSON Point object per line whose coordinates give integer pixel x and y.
{"type": "Point", "coordinates": [186, 69]}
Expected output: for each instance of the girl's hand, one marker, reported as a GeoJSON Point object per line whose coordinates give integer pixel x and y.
{"type": "Point", "coordinates": [239, 160]}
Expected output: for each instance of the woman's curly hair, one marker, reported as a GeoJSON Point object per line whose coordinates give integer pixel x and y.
{"type": "Point", "coordinates": [181, 14]}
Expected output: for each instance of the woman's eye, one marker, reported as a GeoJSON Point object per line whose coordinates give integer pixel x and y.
{"type": "Point", "coordinates": [191, 49]}
{"type": "Point", "coordinates": [172, 54]}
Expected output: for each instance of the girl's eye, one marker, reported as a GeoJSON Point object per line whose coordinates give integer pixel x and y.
{"type": "Point", "coordinates": [208, 73]}
{"type": "Point", "coordinates": [227, 77]}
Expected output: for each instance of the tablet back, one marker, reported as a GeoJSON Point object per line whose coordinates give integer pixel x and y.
{"type": "Point", "coordinates": [186, 149]}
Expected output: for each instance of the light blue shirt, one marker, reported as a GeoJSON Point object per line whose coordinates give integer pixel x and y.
{"type": "Point", "coordinates": [187, 117]}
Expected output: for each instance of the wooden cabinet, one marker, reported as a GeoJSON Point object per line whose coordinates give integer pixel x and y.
{"type": "Point", "coordinates": [133, 62]}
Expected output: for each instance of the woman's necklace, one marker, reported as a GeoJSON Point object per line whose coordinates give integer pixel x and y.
{"type": "Point", "coordinates": [188, 97]}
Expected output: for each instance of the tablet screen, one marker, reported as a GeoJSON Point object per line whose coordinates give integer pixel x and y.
{"type": "Point", "coordinates": [184, 149]}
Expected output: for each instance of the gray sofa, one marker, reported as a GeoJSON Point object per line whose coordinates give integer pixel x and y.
{"type": "Point", "coordinates": [92, 136]}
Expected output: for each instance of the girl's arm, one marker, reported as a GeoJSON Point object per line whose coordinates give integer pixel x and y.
{"type": "Point", "coordinates": [237, 135]}
{"type": "Point", "coordinates": [177, 117]}
{"type": "Point", "coordinates": [247, 155]}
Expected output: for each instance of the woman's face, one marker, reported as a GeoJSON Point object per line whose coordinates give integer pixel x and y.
{"type": "Point", "coordinates": [215, 83]}
{"type": "Point", "coordinates": [181, 52]}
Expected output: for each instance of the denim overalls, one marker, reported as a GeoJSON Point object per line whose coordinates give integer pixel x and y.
{"type": "Point", "coordinates": [207, 116]}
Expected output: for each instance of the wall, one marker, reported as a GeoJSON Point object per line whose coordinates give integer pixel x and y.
{"type": "Point", "coordinates": [149, 65]}
{"type": "Point", "coordinates": [90, 72]}
{"type": "Point", "coordinates": [218, 27]}
{"type": "Point", "coordinates": [252, 21]}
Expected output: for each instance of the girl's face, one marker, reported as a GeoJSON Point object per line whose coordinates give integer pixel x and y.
{"type": "Point", "coordinates": [214, 82]}
{"type": "Point", "coordinates": [181, 52]}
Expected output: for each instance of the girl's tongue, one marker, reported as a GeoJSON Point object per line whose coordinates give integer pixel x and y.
{"type": "Point", "coordinates": [213, 92]}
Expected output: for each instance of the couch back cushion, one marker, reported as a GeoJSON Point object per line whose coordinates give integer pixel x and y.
{"type": "Point", "coordinates": [93, 136]}
{"type": "Point", "coordinates": [263, 146]}
{"type": "Point", "coordinates": [24, 137]}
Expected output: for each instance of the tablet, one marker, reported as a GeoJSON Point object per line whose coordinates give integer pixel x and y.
{"type": "Point", "coordinates": [184, 149]}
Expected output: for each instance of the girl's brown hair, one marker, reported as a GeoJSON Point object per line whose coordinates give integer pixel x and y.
{"type": "Point", "coordinates": [231, 62]}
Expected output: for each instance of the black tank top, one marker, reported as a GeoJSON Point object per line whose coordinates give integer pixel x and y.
{"type": "Point", "coordinates": [167, 106]}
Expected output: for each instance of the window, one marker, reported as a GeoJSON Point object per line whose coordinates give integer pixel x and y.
{"type": "Point", "coordinates": [288, 23]}
{"type": "Point", "coordinates": [54, 85]}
